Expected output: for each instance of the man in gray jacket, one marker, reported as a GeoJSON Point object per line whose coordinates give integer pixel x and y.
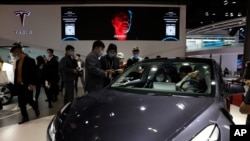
{"type": "Point", "coordinates": [67, 68]}
{"type": "Point", "coordinates": [94, 77]}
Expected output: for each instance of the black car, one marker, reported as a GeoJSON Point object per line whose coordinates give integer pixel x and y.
{"type": "Point", "coordinates": [137, 107]}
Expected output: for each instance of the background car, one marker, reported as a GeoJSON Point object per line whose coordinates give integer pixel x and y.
{"type": "Point", "coordinates": [7, 89]}
{"type": "Point", "coordinates": [6, 93]}
{"type": "Point", "coordinates": [137, 107]}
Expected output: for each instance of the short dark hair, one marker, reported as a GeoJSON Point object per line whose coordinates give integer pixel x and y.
{"type": "Point", "coordinates": [78, 55]}
{"type": "Point", "coordinates": [158, 56]}
{"type": "Point", "coordinates": [98, 43]}
{"type": "Point", "coordinates": [50, 50]}
{"type": "Point", "coordinates": [69, 47]}
{"type": "Point", "coordinates": [112, 46]}
{"type": "Point", "coordinates": [16, 45]}
{"type": "Point", "coordinates": [186, 69]}
{"type": "Point", "coordinates": [136, 49]}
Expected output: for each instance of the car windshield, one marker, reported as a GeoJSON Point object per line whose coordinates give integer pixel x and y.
{"type": "Point", "coordinates": [168, 77]}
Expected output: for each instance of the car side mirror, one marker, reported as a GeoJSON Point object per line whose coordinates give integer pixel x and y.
{"type": "Point", "coordinates": [236, 88]}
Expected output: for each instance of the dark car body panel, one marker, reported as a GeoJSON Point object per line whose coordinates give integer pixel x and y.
{"type": "Point", "coordinates": [134, 113]}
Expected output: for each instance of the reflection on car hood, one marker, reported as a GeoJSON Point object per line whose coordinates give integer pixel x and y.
{"type": "Point", "coordinates": [113, 116]}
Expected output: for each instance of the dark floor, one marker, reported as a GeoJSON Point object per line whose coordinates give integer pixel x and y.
{"type": "Point", "coordinates": [10, 114]}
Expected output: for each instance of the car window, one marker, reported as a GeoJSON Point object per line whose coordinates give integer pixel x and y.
{"type": "Point", "coordinates": [175, 77]}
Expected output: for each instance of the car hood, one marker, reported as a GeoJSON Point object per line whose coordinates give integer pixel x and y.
{"type": "Point", "coordinates": [110, 115]}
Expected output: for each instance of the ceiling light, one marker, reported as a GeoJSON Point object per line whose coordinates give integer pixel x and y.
{"type": "Point", "coordinates": [225, 2]}
{"type": "Point", "coordinates": [226, 14]}
{"type": "Point", "coordinates": [239, 14]}
{"type": "Point", "coordinates": [213, 14]}
{"type": "Point", "coordinates": [233, 2]}
{"type": "Point", "coordinates": [231, 14]}
{"type": "Point", "coordinates": [206, 13]}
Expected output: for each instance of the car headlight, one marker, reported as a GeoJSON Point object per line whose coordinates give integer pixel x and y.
{"type": "Point", "coordinates": [56, 120]}
{"type": "Point", "coordinates": [64, 107]}
{"type": "Point", "coordinates": [210, 133]}
{"type": "Point", "coordinates": [52, 130]}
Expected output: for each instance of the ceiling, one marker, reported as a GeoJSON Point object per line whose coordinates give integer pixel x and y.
{"type": "Point", "coordinates": [199, 12]}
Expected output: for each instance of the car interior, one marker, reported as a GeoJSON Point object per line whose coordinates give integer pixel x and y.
{"type": "Point", "coordinates": [196, 80]}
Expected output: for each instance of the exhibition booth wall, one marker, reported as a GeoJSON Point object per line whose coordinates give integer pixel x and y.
{"type": "Point", "coordinates": [41, 27]}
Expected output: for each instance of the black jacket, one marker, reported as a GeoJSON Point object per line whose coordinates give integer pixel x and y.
{"type": "Point", "coordinates": [51, 69]}
{"type": "Point", "coordinates": [110, 63]}
{"type": "Point", "coordinates": [28, 71]}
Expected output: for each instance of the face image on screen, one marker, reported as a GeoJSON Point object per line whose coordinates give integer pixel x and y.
{"type": "Point", "coordinates": [120, 23]}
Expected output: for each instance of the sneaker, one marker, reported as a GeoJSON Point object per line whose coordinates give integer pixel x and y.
{"type": "Point", "coordinates": [23, 120]}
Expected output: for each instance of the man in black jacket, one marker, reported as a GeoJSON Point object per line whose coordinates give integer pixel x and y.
{"type": "Point", "coordinates": [80, 71]}
{"type": "Point", "coordinates": [67, 68]}
{"type": "Point", "coordinates": [94, 73]}
{"type": "Point", "coordinates": [111, 62]}
{"type": "Point", "coordinates": [24, 81]}
{"type": "Point", "coordinates": [51, 76]}
{"type": "Point", "coordinates": [135, 58]}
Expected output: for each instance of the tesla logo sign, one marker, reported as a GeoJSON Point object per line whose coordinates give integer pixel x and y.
{"type": "Point", "coordinates": [22, 14]}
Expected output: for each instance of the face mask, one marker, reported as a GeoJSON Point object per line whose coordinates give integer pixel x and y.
{"type": "Point", "coordinates": [100, 53]}
{"type": "Point", "coordinates": [72, 53]}
{"type": "Point", "coordinates": [111, 55]}
{"type": "Point", "coordinates": [159, 79]}
{"type": "Point", "coordinates": [16, 58]}
{"type": "Point", "coordinates": [136, 56]}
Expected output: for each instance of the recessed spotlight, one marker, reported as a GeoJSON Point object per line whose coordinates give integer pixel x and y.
{"type": "Point", "coordinates": [233, 2]}
{"type": "Point", "coordinates": [214, 14]}
{"type": "Point", "coordinates": [206, 14]}
{"type": "Point", "coordinates": [226, 14]}
{"type": "Point", "coordinates": [225, 2]}
{"type": "Point", "coordinates": [239, 14]}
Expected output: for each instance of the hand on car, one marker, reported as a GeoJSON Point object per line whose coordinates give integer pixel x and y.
{"type": "Point", "coordinates": [244, 108]}
{"type": "Point", "coordinates": [247, 82]}
{"type": "Point", "coordinates": [31, 87]}
{"type": "Point", "coordinates": [110, 71]}
{"type": "Point", "coordinates": [119, 70]}
{"type": "Point", "coordinates": [193, 75]}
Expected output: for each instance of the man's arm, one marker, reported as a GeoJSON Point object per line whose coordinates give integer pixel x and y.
{"type": "Point", "coordinates": [245, 105]}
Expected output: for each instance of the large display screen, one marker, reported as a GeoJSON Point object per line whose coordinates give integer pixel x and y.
{"type": "Point", "coordinates": [120, 23]}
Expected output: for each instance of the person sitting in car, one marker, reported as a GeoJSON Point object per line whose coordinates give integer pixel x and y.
{"type": "Point", "coordinates": [160, 76]}
{"type": "Point", "coordinates": [191, 80]}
